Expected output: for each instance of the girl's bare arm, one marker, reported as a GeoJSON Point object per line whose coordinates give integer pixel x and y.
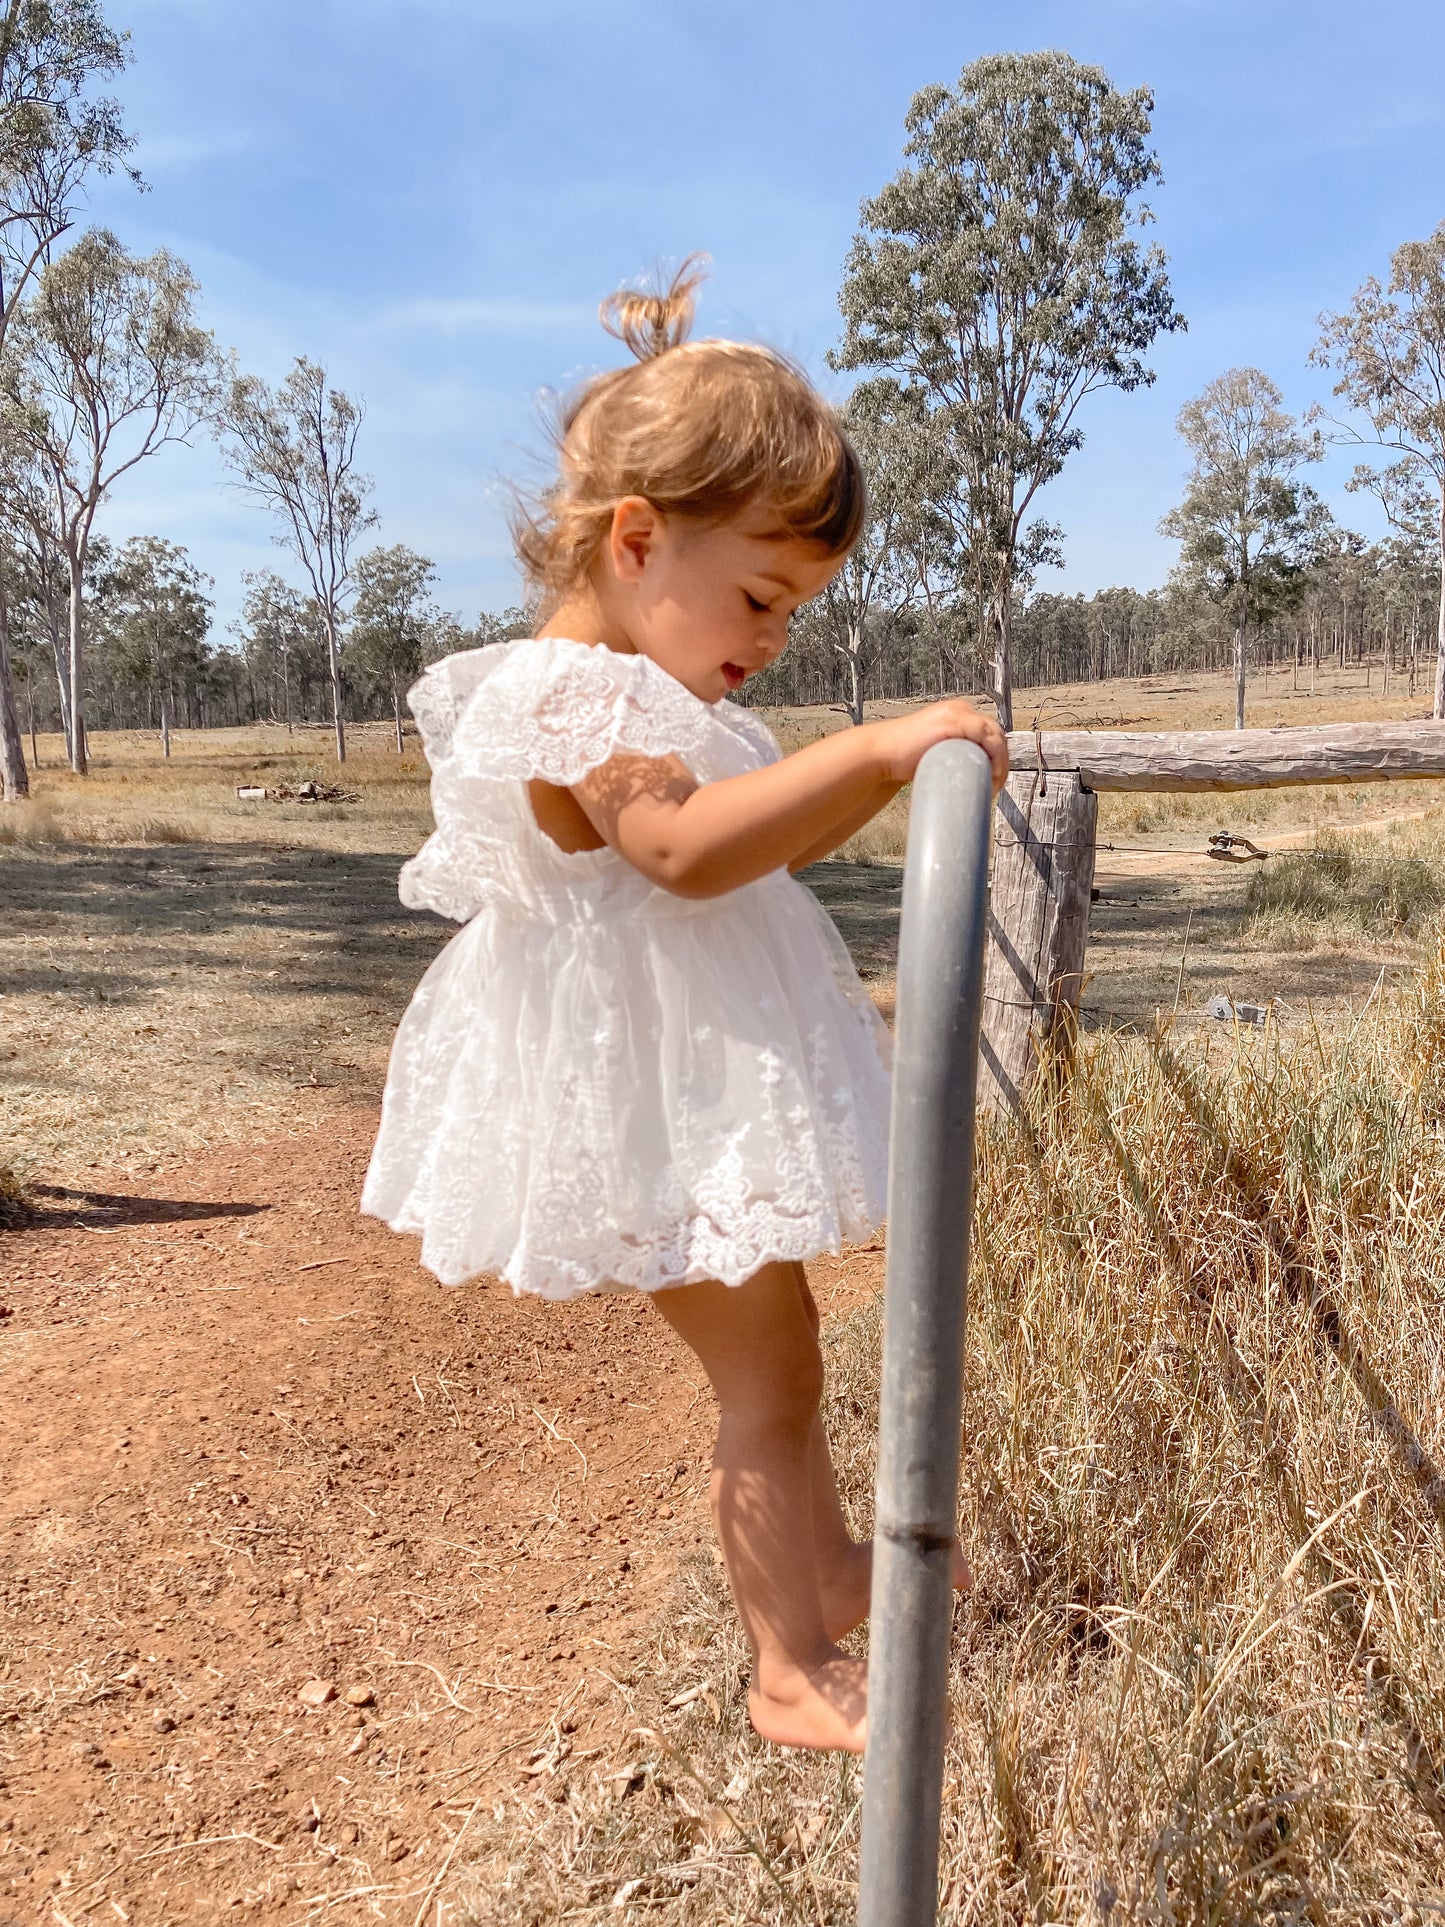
{"type": "Point", "coordinates": [840, 832]}
{"type": "Point", "coordinates": [704, 840]}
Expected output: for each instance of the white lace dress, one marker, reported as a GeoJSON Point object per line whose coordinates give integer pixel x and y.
{"type": "Point", "coordinates": [597, 1083]}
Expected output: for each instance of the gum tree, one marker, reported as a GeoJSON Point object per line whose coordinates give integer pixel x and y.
{"type": "Point", "coordinates": [881, 577]}
{"type": "Point", "coordinates": [999, 276]}
{"type": "Point", "coordinates": [105, 365]}
{"type": "Point", "coordinates": [391, 622]}
{"type": "Point", "coordinates": [158, 617]}
{"type": "Point", "coordinates": [1388, 349]}
{"type": "Point", "coordinates": [293, 449]}
{"type": "Point", "coordinates": [280, 628]}
{"type": "Point", "coordinates": [1244, 516]}
{"type": "Point", "coordinates": [55, 130]}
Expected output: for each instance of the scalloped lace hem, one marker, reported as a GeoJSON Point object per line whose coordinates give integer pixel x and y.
{"type": "Point", "coordinates": [692, 1251]}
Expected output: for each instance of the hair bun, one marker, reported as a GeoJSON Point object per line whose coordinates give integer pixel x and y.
{"type": "Point", "coordinates": [649, 322]}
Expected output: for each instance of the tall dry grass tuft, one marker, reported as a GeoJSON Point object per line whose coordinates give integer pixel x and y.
{"type": "Point", "coordinates": [1202, 1675]}
{"type": "Point", "coordinates": [1353, 882]}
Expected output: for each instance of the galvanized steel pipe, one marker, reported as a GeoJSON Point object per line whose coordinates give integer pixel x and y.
{"type": "Point", "coordinates": [930, 1190]}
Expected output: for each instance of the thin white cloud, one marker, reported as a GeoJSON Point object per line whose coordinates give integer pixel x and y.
{"type": "Point", "coordinates": [485, 314]}
{"type": "Point", "coordinates": [158, 153]}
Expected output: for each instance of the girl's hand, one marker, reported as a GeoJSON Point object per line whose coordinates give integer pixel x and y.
{"type": "Point", "coordinates": [908, 738]}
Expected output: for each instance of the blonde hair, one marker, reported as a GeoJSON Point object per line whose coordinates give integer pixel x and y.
{"type": "Point", "coordinates": [697, 428]}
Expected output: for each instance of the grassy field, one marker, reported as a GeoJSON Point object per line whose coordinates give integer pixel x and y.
{"type": "Point", "coordinates": [1201, 1679]}
{"type": "Point", "coordinates": [183, 968]}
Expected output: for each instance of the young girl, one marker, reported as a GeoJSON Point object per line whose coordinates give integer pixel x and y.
{"type": "Point", "coordinates": [647, 1060]}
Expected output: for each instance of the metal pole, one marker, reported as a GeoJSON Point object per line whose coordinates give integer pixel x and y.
{"type": "Point", "coordinates": [930, 1190]}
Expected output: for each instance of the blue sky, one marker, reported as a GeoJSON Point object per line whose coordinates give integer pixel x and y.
{"type": "Point", "coordinates": [431, 196]}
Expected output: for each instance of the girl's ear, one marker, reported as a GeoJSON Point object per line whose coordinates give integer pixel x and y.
{"type": "Point", "coordinates": [632, 540]}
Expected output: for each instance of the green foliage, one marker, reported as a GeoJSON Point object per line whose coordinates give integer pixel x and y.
{"type": "Point", "coordinates": [1388, 349]}
{"type": "Point", "coordinates": [1245, 523]}
{"type": "Point", "coordinates": [54, 127]}
{"type": "Point", "coordinates": [510, 625]}
{"type": "Point", "coordinates": [155, 617]}
{"type": "Point", "coordinates": [391, 619]}
{"type": "Point", "coordinates": [999, 278]}
{"type": "Point", "coordinates": [907, 550]}
{"type": "Point", "coordinates": [282, 641]}
{"type": "Point", "coordinates": [293, 451]}
{"type": "Point", "coordinates": [106, 354]}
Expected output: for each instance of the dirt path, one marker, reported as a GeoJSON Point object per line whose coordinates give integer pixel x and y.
{"type": "Point", "coordinates": [250, 1447]}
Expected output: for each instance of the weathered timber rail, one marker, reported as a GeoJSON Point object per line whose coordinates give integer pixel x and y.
{"type": "Point", "coordinates": [1235, 759]}
{"type": "Point", "coordinates": [1044, 841]}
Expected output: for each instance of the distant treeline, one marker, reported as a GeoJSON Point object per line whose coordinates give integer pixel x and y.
{"type": "Point", "coordinates": [152, 649]}
{"type": "Point", "coordinates": [1359, 603]}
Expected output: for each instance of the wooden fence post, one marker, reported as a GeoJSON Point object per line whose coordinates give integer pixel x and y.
{"type": "Point", "coordinates": [1038, 927]}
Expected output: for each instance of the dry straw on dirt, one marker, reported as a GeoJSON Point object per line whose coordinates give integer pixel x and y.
{"type": "Point", "coordinates": [1202, 1675]}
{"type": "Point", "coordinates": [183, 969]}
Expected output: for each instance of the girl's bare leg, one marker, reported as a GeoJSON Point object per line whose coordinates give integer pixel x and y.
{"type": "Point", "coordinates": [758, 1345]}
{"type": "Point", "coordinates": [845, 1568]}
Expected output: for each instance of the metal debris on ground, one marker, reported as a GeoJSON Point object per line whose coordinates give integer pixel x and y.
{"type": "Point", "coordinates": [1234, 849]}
{"type": "Point", "coordinates": [296, 793]}
{"type": "Point", "coordinates": [1225, 1008]}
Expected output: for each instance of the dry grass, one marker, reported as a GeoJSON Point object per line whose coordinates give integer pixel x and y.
{"type": "Point", "coordinates": [1390, 885]}
{"type": "Point", "coordinates": [1202, 1677]}
{"type": "Point", "coordinates": [182, 969]}
{"type": "Point", "coordinates": [132, 795]}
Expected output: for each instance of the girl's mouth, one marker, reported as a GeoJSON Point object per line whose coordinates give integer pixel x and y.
{"type": "Point", "coordinates": [733, 676]}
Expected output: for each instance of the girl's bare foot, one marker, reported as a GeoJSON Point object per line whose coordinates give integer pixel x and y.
{"type": "Point", "coordinates": [846, 1588]}
{"type": "Point", "coordinates": [820, 1703]}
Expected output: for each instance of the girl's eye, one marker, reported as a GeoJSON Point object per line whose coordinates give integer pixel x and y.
{"type": "Point", "coordinates": [753, 603]}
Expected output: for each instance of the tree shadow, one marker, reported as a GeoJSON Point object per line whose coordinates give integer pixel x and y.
{"type": "Point", "coordinates": [58, 1207]}
{"type": "Point", "coordinates": [865, 900]}
{"type": "Point", "coordinates": [340, 906]}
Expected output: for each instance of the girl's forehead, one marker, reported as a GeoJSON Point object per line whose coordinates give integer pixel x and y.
{"type": "Point", "coordinates": [769, 537]}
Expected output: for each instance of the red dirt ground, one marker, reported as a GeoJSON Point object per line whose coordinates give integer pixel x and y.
{"type": "Point", "coordinates": [250, 1446]}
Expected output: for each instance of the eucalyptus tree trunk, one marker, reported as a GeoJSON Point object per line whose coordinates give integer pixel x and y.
{"type": "Point", "coordinates": [13, 776]}
{"type": "Point", "coordinates": [79, 747]}
{"type": "Point", "coordinates": [854, 655]}
{"type": "Point", "coordinates": [396, 712]}
{"type": "Point", "coordinates": [1438, 710]}
{"type": "Point", "coordinates": [1003, 675]}
{"type": "Point", "coordinates": [1239, 658]}
{"type": "Point", "coordinates": [333, 657]}
{"type": "Point", "coordinates": [62, 669]}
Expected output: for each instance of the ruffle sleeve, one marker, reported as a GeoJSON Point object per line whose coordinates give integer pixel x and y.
{"type": "Point", "coordinates": [555, 709]}
{"type": "Point", "coordinates": [443, 692]}
{"type": "Point", "coordinates": [546, 707]}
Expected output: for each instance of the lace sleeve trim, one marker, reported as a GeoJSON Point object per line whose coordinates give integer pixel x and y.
{"type": "Point", "coordinates": [556, 709]}
{"type": "Point", "coordinates": [445, 688]}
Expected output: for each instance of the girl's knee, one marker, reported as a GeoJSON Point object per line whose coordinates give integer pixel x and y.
{"type": "Point", "coordinates": [780, 1392]}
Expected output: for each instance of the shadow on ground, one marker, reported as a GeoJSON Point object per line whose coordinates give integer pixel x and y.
{"type": "Point", "coordinates": [129, 899]}
{"type": "Point", "coordinates": [865, 900]}
{"type": "Point", "coordinates": [58, 1207]}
